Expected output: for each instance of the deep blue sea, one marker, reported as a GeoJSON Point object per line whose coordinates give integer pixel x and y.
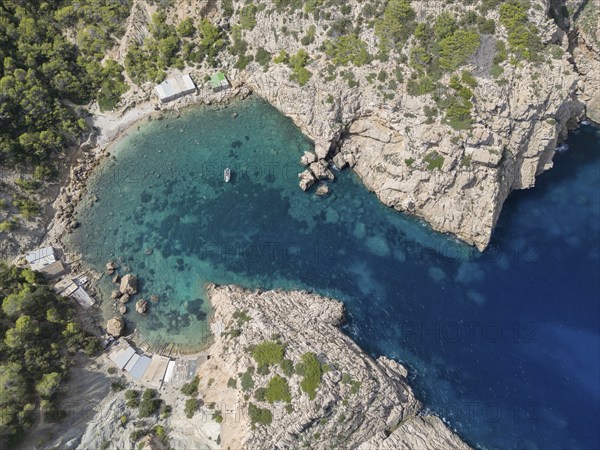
{"type": "Point", "coordinates": [505, 345]}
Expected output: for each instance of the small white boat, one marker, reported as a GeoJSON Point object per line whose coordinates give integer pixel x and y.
{"type": "Point", "coordinates": [227, 174]}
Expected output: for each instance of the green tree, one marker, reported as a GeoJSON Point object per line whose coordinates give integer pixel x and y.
{"type": "Point", "coordinates": [186, 28]}
{"type": "Point", "coordinates": [48, 385]}
{"type": "Point", "coordinates": [397, 23]}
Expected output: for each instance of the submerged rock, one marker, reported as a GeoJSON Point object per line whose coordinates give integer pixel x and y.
{"type": "Point", "coordinates": [322, 190]}
{"type": "Point", "coordinates": [111, 267]}
{"type": "Point", "coordinates": [141, 306]}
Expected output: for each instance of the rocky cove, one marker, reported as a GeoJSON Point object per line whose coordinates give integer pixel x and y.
{"type": "Point", "coordinates": [400, 282]}
{"type": "Point", "coordinates": [457, 181]}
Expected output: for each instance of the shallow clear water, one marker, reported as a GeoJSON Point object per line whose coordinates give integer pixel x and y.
{"type": "Point", "coordinates": [505, 345]}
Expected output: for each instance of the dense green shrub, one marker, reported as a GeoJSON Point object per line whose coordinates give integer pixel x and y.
{"type": "Point", "coordinates": [309, 37]}
{"type": "Point", "coordinates": [260, 394]}
{"type": "Point", "coordinates": [150, 403]}
{"type": "Point", "coordinates": [248, 16]}
{"type": "Point", "coordinates": [267, 353]}
{"type": "Point", "coordinates": [457, 48]}
{"type": "Point", "coordinates": [397, 23]}
{"type": "Point", "coordinates": [523, 37]}
{"type": "Point", "coordinates": [191, 406]}
{"type": "Point", "coordinates": [258, 415]}
{"type": "Point", "coordinates": [9, 225]}
{"type": "Point", "coordinates": [186, 27]}
{"type": "Point", "coordinates": [300, 74]}
{"type": "Point", "coordinates": [287, 366]}
{"type": "Point", "coordinates": [278, 390]}
{"type": "Point", "coordinates": [433, 161]}
{"type": "Point", "coordinates": [310, 370]}
{"type": "Point", "coordinates": [347, 49]}
{"type": "Point", "coordinates": [246, 379]}
{"type": "Point", "coordinates": [263, 58]}
{"type": "Point", "coordinates": [132, 398]}
{"type": "Point", "coordinates": [191, 389]}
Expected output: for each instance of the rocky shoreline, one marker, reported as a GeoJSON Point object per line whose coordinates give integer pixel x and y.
{"type": "Point", "coordinates": [355, 401]}
{"type": "Point", "coordinates": [359, 402]}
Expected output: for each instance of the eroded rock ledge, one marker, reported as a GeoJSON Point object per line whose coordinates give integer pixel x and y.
{"type": "Point", "coordinates": [359, 403]}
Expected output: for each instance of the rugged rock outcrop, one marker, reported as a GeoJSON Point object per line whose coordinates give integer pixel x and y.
{"type": "Point", "coordinates": [517, 122]}
{"type": "Point", "coordinates": [585, 36]}
{"type": "Point", "coordinates": [359, 403]}
{"type": "Point", "coordinates": [129, 285]}
{"type": "Point", "coordinates": [141, 306]}
{"type": "Point", "coordinates": [115, 326]}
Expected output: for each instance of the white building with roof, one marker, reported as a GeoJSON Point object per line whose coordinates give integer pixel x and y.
{"type": "Point", "coordinates": [44, 260]}
{"type": "Point", "coordinates": [175, 87]}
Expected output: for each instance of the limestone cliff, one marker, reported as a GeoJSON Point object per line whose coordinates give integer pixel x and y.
{"type": "Point", "coordinates": [398, 141]}
{"type": "Point", "coordinates": [359, 402]}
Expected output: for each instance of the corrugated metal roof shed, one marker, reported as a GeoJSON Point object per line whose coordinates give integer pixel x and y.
{"type": "Point", "coordinates": [140, 367]}
{"type": "Point", "coordinates": [122, 358]}
{"type": "Point", "coordinates": [82, 298]}
{"type": "Point", "coordinates": [35, 255]}
{"type": "Point", "coordinates": [135, 358]}
{"type": "Point", "coordinates": [175, 87]}
{"type": "Point", "coordinates": [51, 270]}
{"type": "Point", "coordinates": [170, 371]}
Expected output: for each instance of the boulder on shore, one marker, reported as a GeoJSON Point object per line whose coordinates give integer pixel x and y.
{"type": "Point", "coordinates": [340, 161]}
{"type": "Point", "coordinates": [115, 294]}
{"type": "Point", "coordinates": [115, 326]}
{"type": "Point", "coordinates": [321, 171]}
{"type": "Point", "coordinates": [308, 158]}
{"type": "Point", "coordinates": [129, 284]}
{"type": "Point", "coordinates": [124, 298]}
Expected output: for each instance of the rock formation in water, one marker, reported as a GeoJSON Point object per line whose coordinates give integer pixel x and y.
{"type": "Point", "coordinates": [294, 380]}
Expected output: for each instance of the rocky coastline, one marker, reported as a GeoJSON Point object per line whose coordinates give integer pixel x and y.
{"type": "Point", "coordinates": [359, 402]}
{"type": "Point", "coordinates": [517, 127]}
{"type": "Point", "coordinates": [355, 401]}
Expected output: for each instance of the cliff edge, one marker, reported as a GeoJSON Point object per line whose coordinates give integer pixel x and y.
{"type": "Point", "coordinates": [291, 378]}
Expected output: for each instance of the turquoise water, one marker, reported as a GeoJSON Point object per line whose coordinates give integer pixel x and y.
{"type": "Point", "coordinates": [505, 345]}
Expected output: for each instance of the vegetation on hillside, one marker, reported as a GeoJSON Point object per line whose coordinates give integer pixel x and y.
{"type": "Point", "coordinates": [42, 70]}
{"type": "Point", "coordinates": [38, 338]}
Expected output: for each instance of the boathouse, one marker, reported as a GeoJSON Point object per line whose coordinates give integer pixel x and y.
{"type": "Point", "coordinates": [174, 88]}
